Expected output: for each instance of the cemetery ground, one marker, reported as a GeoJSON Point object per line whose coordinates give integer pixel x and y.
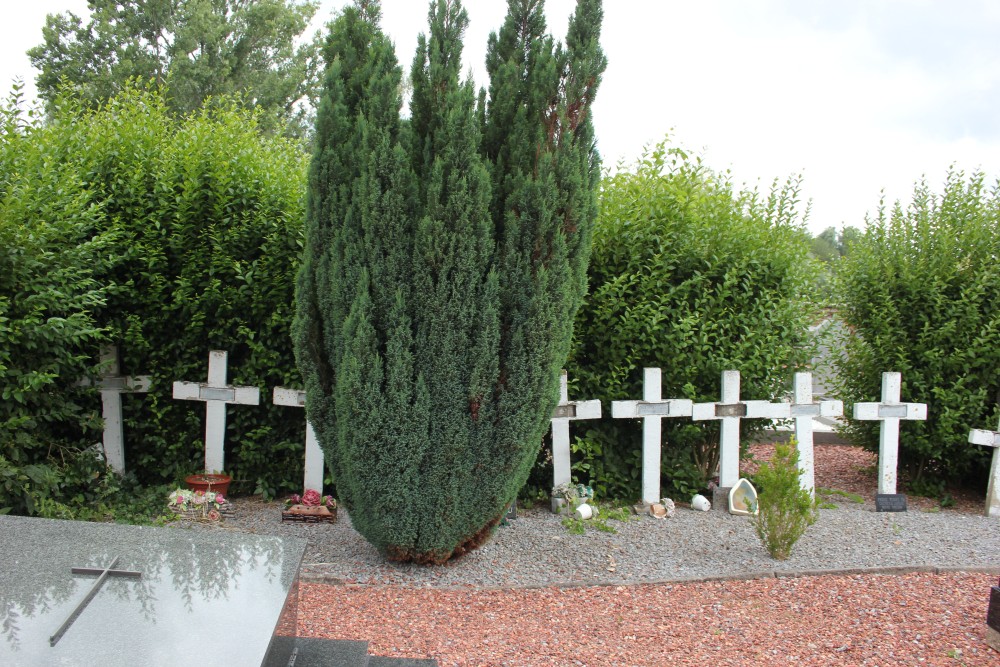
{"type": "Point", "coordinates": [860, 588]}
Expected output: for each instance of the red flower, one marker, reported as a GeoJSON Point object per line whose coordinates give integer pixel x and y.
{"type": "Point", "coordinates": [311, 497]}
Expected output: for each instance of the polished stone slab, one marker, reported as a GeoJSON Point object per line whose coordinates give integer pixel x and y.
{"type": "Point", "coordinates": [200, 597]}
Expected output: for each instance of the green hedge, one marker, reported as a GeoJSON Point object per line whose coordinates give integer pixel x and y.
{"type": "Point", "coordinates": [920, 289]}
{"type": "Point", "coordinates": [692, 276]}
{"type": "Point", "coordinates": [201, 221]}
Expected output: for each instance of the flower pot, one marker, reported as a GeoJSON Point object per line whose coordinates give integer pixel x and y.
{"type": "Point", "coordinates": [205, 481]}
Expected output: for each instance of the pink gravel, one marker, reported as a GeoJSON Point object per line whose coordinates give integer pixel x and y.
{"type": "Point", "coordinates": [876, 619]}
{"type": "Point", "coordinates": [914, 619]}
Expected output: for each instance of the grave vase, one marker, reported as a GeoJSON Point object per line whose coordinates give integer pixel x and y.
{"type": "Point", "coordinates": [206, 481]}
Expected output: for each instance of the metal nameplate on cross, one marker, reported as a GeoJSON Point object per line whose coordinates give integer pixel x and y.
{"type": "Point", "coordinates": [112, 385]}
{"type": "Point", "coordinates": [216, 394]}
{"type": "Point", "coordinates": [990, 439]}
{"type": "Point", "coordinates": [651, 409]}
{"type": "Point", "coordinates": [313, 474]}
{"type": "Point", "coordinates": [565, 412]}
{"type": "Point", "coordinates": [890, 411]}
{"type": "Point", "coordinates": [103, 573]}
{"type": "Point", "coordinates": [804, 410]}
{"type": "Point", "coordinates": [729, 411]}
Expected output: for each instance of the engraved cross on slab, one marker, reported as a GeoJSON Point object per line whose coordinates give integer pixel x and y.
{"type": "Point", "coordinates": [803, 411]}
{"type": "Point", "coordinates": [103, 574]}
{"type": "Point", "coordinates": [566, 411]}
{"type": "Point", "coordinates": [729, 411]}
{"type": "Point", "coordinates": [112, 385]}
{"type": "Point", "coordinates": [652, 408]}
{"type": "Point", "coordinates": [313, 475]}
{"type": "Point", "coordinates": [990, 439]}
{"type": "Point", "coordinates": [216, 394]}
{"type": "Point", "coordinates": [890, 411]}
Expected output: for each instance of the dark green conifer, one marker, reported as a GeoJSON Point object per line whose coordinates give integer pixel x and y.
{"type": "Point", "coordinates": [445, 259]}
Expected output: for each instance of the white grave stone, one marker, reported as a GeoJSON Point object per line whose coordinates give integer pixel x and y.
{"type": "Point", "coordinates": [804, 410]}
{"type": "Point", "coordinates": [112, 385]}
{"type": "Point", "coordinates": [990, 439]}
{"type": "Point", "coordinates": [313, 476]}
{"type": "Point", "coordinates": [729, 411]}
{"type": "Point", "coordinates": [652, 408]}
{"type": "Point", "coordinates": [216, 394]}
{"type": "Point", "coordinates": [565, 412]}
{"type": "Point", "coordinates": [890, 411]}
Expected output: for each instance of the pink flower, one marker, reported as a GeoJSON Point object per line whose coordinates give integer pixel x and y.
{"type": "Point", "coordinates": [311, 497]}
{"type": "Point", "coordinates": [199, 498]}
{"type": "Point", "coordinates": [219, 498]}
{"type": "Point", "coordinates": [213, 515]}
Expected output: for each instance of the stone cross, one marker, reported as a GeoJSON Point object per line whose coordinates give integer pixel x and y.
{"type": "Point", "coordinates": [729, 411]}
{"type": "Point", "coordinates": [566, 411]}
{"type": "Point", "coordinates": [313, 476]}
{"type": "Point", "coordinates": [216, 394]}
{"type": "Point", "coordinates": [112, 385]}
{"type": "Point", "coordinates": [102, 574]}
{"type": "Point", "coordinates": [803, 411]}
{"type": "Point", "coordinates": [889, 412]}
{"type": "Point", "coordinates": [652, 408]}
{"type": "Point", "coordinates": [990, 439]}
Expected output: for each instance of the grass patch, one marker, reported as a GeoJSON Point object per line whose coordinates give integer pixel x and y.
{"type": "Point", "coordinates": [602, 514]}
{"type": "Point", "coordinates": [853, 497]}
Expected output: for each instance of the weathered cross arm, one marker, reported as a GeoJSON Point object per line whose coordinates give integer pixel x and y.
{"type": "Point", "coordinates": [565, 412]}
{"type": "Point", "coordinates": [990, 439]}
{"type": "Point", "coordinates": [313, 473]}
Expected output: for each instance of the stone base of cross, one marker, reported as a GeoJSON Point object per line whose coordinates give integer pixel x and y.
{"type": "Point", "coordinates": [803, 410]}
{"type": "Point", "coordinates": [990, 439]}
{"type": "Point", "coordinates": [565, 412]}
{"type": "Point", "coordinates": [112, 385]}
{"type": "Point", "coordinates": [890, 411]}
{"type": "Point", "coordinates": [729, 411]}
{"type": "Point", "coordinates": [313, 475]}
{"type": "Point", "coordinates": [651, 409]}
{"type": "Point", "coordinates": [216, 394]}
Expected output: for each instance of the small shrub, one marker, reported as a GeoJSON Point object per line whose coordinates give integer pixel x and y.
{"type": "Point", "coordinates": [786, 509]}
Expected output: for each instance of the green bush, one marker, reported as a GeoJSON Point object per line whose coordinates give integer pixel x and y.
{"type": "Point", "coordinates": [50, 250]}
{"type": "Point", "coordinates": [689, 275]}
{"type": "Point", "coordinates": [199, 225]}
{"type": "Point", "coordinates": [920, 290]}
{"type": "Point", "coordinates": [785, 509]}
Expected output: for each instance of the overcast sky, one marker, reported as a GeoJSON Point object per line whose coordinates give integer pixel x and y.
{"type": "Point", "coordinates": [856, 95]}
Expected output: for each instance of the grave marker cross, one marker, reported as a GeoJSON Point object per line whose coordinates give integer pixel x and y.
{"type": "Point", "coordinates": [652, 408]}
{"type": "Point", "coordinates": [566, 411]}
{"type": "Point", "coordinates": [729, 411]}
{"type": "Point", "coordinates": [216, 394]}
{"type": "Point", "coordinates": [990, 439]}
{"type": "Point", "coordinates": [103, 573]}
{"type": "Point", "coordinates": [890, 411]}
{"type": "Point", "coordinates": [313, 475]}
{"type": "Point", "coordinates": [112, 385]}
{"type": "Point", "coordinates": [804, 410]}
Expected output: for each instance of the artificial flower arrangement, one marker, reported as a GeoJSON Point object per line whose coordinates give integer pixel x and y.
{"type": "Point", "coordinates": [197, 504]}
{"type": "Point", "coordinates": [567, 497]}
{"type": "Point", "coordinates": [311, 498]}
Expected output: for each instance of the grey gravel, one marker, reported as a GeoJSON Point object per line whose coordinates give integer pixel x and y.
{"type": "Point", "coordinates": [536, 550]}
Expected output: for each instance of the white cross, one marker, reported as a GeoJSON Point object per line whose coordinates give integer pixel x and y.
{"type": "Point", "coordinates": [804, 410]}
{"type": "Point", "coordinates": [729, 411]}
{"type": "Point", "coordinates": [566, 411]}
{"type": "Point", "coordinates": [652, 408]}
{"type": "Point", "coordinates": [313, 476]}
{"type": "Point", "coordinates": [216, 394]}
{"type": "Point", "coordinates": [112, 385]}
{"type": "Point", "coordinates": [990, 439]}
{"type": "Point", "coordinates": [889, 412]}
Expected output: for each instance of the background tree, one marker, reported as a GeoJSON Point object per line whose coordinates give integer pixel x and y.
{"type": "Point", "coordinates": [200, 48]}
{"type": "Point", "coordinates": [445, 259]}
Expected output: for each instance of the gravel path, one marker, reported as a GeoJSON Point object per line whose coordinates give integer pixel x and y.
{"type": "Point", "coordinates": [658, 592]}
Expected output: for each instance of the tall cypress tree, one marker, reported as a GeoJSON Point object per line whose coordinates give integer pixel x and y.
{"type": "Point", "coordinates": [445, 260]}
